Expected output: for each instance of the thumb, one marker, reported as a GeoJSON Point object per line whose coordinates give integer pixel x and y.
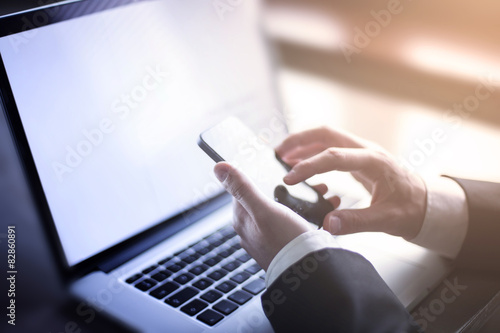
{"type": "Point", "coordinates": [348, 221]}
{"type": "Point", "coordinates": [240, 187]}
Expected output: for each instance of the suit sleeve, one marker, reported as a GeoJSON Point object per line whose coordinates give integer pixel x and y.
{"type": "Point", "coordinates": [481, 247]}
{"type": "Point", "coordinates": [334, 290]}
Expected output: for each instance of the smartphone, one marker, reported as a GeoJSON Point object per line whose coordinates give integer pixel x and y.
{"type": "Point", "coordinates": [234, 142]}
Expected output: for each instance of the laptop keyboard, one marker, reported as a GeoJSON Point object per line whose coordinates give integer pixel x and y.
{"type": "Point", "coordinates": [208, 280]}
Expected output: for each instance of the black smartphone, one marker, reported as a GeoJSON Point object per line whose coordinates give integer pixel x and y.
{"type": "Point", "coordinates": [234, 142]}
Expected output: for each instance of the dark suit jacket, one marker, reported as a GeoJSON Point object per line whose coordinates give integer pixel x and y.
{"type": "Point", "coordinates": [335, 290]}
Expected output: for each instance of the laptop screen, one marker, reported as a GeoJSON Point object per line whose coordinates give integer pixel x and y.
{"type": "Point", "coordinates": [112, 104]}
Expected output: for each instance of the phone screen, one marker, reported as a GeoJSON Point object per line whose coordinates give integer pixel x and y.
{"type": "Point", "coordinates": [232, 141]}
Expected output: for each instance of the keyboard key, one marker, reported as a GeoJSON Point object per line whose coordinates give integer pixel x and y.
{"type": "Point", "coordinates": [146, 284]}
{"type": "Point", "coordinates": [216, 236]}
{"type": "Point", "coordinates": [213, 261]}
{"type": "Point", "coordinates": [134, 278]}
{"type": "Point", "coordinates": [198, 269]}
{"type": "Point", "coordinates": [237, 246]}
{"type": "Point", "coordinates": [240, 277]}
{"type": "Point", "coordinates": [244, 257]}
{"type": "Point", "coordinates": [255, 287]}
{"type": "Point", "coordinates": [226, 286]}
{"type": "Point", "coordinates": [226, 231]}
{"type": "Point", "coordinates": [232, 242]}
{"type": "Point", "coordinates": [191, 258]}
{"type": "Point", "coordinates": [225, 307]}
{"type": "Point", "coordinates": [194, 307]}
{"type": "Point", "coordinates": [176, 267]}
{"type": "Point", "coordinates": [184, 278]}
{"type": "Point", "coordinates": [202, 247]}
{"type": "Point", "coordinates": [253, 269]}
{"type": "Point", "coordinates": [231, 266]}
{"type": "Point", "coordinates": [211, 296]}
{"type": "Point", "coordinates": [230, 235]}
{"type": "Point", "coordinates": [225, 253]}
{"type": "Point", "coordinates": [202, 284]}
{"type": "Point", "coordinates": [217, 243]}
{"type": "Point", "coordinates": [181, 297]}
{"type": "Point", "coordinates": [240, 297]}
{"type": "Point", "coordinates": [150, 269]}
{"type": "Point", "coordinates": [164, 261]}
{"type": "Point", "coordinates": [202, 252]}
{"type": "Point", "coordinates": [217, 275]}
{"type": "Point", "coordinates": [164, 290]}
{"type": "Point", "coordinates": [210, 317]}
{"type": "Point", "coordinates": [160, 276]}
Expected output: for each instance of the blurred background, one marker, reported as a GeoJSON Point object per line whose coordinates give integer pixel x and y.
{"type": "Point", "coordinates": [421, 78]}
{"type": "Point", "coordinates": [396, 78]}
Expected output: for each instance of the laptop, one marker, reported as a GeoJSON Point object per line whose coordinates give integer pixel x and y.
{"type": "Point", "coordinates": [105, 101]}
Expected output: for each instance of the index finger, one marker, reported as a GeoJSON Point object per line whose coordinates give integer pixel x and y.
{"type": "Point", "coordinates": [323, 135]}
{"type": "Point", "coordinates": [340, 159]}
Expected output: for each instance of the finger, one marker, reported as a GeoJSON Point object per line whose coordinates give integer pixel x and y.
{"type": "Point", "coordinates": [321, 188]}
{"type": "Point", "coordinates": [322, 135]}
{"type": "Point", "coordinates": [341, 159]}
{"type": "Point", "coordinates": [335, 201]}
{"type": "Point", "coordinates": [240, 187]}
{"type": "Point", "coordinates": [348, 221]}
{"type": "Point", "coordinates": [303, 152]}
{"type": "Point", "coordinates": [291, 162]}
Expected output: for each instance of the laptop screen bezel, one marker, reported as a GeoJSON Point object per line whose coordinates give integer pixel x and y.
{"type": "Point", "coordinates": [131, 247]}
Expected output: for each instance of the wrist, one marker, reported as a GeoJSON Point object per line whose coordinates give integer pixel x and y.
{"type": "Point", "coordinates": [417, 208]}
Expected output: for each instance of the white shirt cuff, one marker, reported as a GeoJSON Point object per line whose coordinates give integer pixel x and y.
{"type": "Point", "coordinates": [446, 218]}
{"type": "Point", "coordinates": [299, 247]}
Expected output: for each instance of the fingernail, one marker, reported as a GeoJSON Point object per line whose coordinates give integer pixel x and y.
{"type": "Point", "coordinates": [334, 225]}
{"type": "Point", "coordinates": [221, 172]}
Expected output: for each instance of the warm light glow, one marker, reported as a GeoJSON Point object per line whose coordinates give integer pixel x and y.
{"type": "Point", "coordinates": [440, 57]}
{"type": "Point", "coordinates": [303, 26]}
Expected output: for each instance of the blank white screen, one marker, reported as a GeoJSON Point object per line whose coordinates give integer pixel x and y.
{"type": "Point", "coordinates": [112, 104]}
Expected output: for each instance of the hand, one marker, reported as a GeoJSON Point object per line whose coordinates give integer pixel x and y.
{"type": "Point", "coordinates": [264, 226]}
{"type": "Point", "coordinates": [398, 197]}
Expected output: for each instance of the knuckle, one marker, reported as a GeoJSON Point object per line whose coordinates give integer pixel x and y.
{"type": "Point", "coordinates": [334, 153]}
{"type": "Point", "coordinates": [305, 165]}
{"type": "Point", "coordinates": [381, 156]}
{"type": "Point", "coordinates": [383, 160]}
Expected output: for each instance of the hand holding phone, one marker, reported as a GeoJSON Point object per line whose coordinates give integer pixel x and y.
{"type": "Point", "coordinates": [233, 141]}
